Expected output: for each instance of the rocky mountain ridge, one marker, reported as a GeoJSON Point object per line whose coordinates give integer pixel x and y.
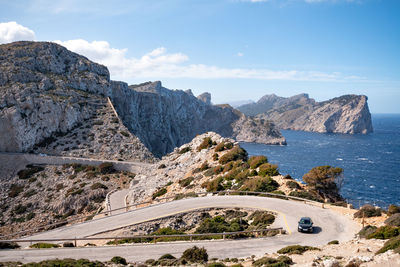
{"type": "Point", "coordinates": [348, 114]}
{"type": "Point", "coordinates": [47, 91]}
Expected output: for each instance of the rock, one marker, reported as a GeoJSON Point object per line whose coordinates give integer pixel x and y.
{"type": "Point", "coordinates": [347, 114]}
{"type": "Point", "coordinates": [48, 91]}
{"type": "Point", "coordinates": [330, 263]}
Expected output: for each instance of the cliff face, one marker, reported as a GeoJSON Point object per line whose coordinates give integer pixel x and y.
{"type": "Point", "coordinates": [347, 114]}
{"type": "Point", "coordinates": [164, 119]}
{"type": "Point", "coordinates": [48, 92]}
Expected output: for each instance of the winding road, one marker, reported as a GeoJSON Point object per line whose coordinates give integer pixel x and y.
{"type": "Point", "coordinates": [329, 226]}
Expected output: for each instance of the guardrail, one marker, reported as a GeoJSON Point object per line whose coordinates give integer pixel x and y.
{"type": "Point", "coordinates": [153, 238]}
{"type": "Point", "coordinates": [162, 200]}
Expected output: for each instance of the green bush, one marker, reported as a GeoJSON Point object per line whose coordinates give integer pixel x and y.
{"type": "Point", "coordinates": [296, 249]}
{"type": "Point", "coordinates": [119, 260]}
{"type": "Point", "coordinates": [293, 185]}
{"type": "Point", "coordinates": [98, 186]}
{"type": "Point", "coordinates": [281, 261]}
{"type": "Point", "coordinates": [218, 169]}
{"type": "Point", "coordinates": [124, 133]}
{"type": "Point", "coordinates": [215, 157]}
{"type": "Point", "coordinates": [393, 209]}
{"type": "Point", "coordinates": [184, 150]}
{"type": "Point", "coordinates": [186, 182]}
{"type": "Point", "coordinates": [260, 184]}
{"type": "Point", "coordinates": [195, 255]}
{"type": "Point", "coordinates": [162, 166]}
{"type": "Point", "coordinates": [268, 169]}
{"type": "Point", "coordinates": [214, 185]}
{"type": "Point", "coordinates": [256, 161]}
{"type": "Point", "coordinates": [44, 245]}
{"type": "Point", "coordinates": [15, 190]}
{"type": "Point", "coordinates": [204, 166]}
{"type": "Point", "coordinates": [20, 209]}
{"type": "Point", "coordinates": [220, 147]}
{"type": "Point", "coordinates": [237, 153]}
{"type": "Point", "coordinates": [306, 195]}
{"type": "Point", "coordinates": [324, 178]}
{"type": "Point", "coordinates": [207, 142]}
{"type": "Point", "coordinates": [167, 256]}
{"type": "Point", "coordinates": [368, 211]}
{"type": "Point", "coordinates": [333, 242]}
{"type": "Point", "coordinates": [385, 232]}
{"type": "Point", "coordinates": [106, 168]}
{"type": "Point", "coordinates": [216, 264]}
{"type": "Point", "coordinates": [28, 172]}
{"type": "Point", "coordinates": [159, 193]}
{"type": "Point", "coordinates": [66, 263]}
{"type": "Point", "coordinates": [393, 220]}
{"type": "Point", "coordinates": [262, 218]}
{"type": "Point", "coordinates": [393, 243]}
{"type": "Point", "coordinates": [8, 245]}
{"type": "Point", "coordinates": [367, 230]}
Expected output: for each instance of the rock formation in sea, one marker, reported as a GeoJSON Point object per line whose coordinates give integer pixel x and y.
{"type": "Point", "coordinates": [348, 114]}
{"type": "Point", "coordinates": [49, 93]}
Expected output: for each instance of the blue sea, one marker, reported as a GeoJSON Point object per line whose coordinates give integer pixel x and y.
{"type": "Point", "coordinates": [371, 163]}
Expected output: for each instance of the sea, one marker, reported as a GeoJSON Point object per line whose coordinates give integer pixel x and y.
{"type": "Point", "coordinates": [371, 162]}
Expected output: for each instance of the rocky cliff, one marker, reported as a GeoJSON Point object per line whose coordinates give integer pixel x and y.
{"type": "Point", "coordinates": [348, 114]}
{"type": "Point", "coordinates": [48, 92]}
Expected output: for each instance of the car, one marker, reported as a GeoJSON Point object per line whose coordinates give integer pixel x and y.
{"type": "Point", "coordinates": [305, 225]}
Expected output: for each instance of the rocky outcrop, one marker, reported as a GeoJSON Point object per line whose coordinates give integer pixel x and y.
{"type": "Point", "coordinates": [348, 114]}
{"type": "Point", "coordinates": [164, 119]}
{"type": "Point", "coordinates": [49, 93]}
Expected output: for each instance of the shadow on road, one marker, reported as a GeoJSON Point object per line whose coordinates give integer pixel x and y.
{"type": "Point", "coordinates": [316, 230]}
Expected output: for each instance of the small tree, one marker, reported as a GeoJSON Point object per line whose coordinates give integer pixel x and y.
{"type": "Point", "coordinates": [325, 178]}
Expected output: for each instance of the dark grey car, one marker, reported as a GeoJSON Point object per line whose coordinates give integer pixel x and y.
{"type": "Point", "coordinates": [305, 225]}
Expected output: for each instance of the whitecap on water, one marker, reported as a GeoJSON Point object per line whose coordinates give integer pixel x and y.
{"type": "Point", "coordinates": [372, 186]}
{"type": "Point", "coordinates": [362, 158]}
{"type": "Point", "coordinates": [339, 159]}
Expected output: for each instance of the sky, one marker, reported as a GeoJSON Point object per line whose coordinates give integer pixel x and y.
{"type": "Point", "coordinates": [234, 49]}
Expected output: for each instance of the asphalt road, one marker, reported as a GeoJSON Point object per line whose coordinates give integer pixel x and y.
{"type": "Point", "coordinates": [329, 226]}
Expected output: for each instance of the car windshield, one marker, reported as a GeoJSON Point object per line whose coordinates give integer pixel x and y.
{"type": "Point", "coordinates": [305, 221]}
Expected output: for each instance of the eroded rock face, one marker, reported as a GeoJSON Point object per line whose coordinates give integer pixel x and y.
{"type": "Point", "coordinates": [164, 119]}
{"type": "Point", "coordinates": [48, 91]}
{"type": "Point", "coordinates": [347, 114]}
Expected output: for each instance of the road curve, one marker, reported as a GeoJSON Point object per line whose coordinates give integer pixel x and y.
{"type": "Point", "coordinates": [329, 226]}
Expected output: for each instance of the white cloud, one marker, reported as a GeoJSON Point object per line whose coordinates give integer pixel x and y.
{"type": "Point", "coordinates": [12, 31]}
{"type": "Point", "coordinates": [240, 54]}
{"type": "Point", "coordinates": [158, 64]}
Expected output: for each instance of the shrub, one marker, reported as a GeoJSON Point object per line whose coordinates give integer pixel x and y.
{"type": "Point", "coordinates": [368, 211]}
{"type": "Point", "coordinates": [68, 245]}
{"type": "Point", "coordinates": [30, 216]}
{"type": "Point", "coordinates": [8, 245]}
{"type": "Point", "coordinates": [237, 153]}
{"type": "Point", "coordinates": [393, 209]}
{"type": "Point", "coordinates": [44, 245]}
{"type": "Point", "coordinates": [260, 184]}
{"type": "Point", "coordinates": [367, 230]}
{"type": "Point", "coordinates": [333, 242]}
{"type": "Point", "coordinates": [207, 142]}
{"type": "Point", "coordinates": [385, 232]}
{"type": "Point", "coordinates": [296, 249]}
{"type": "Point", "coordinates": [124, 133]}
{"type": "Point", "coordinates": [28, 172]}
{"type": "Point", "coordinates": [393, 243]}
{"type": "Point", "coordinates": [214, 185]}
{"type": "Point", "coordinates": [256, 161]}
{"type": "Point", "coordinates": [262, 218]}
{"type": "Point", "coordinates": [186, 182]}
{"type": "Point", "coordinates": [106, 168]}
{"type": "Point", "coordinates": [393, 220]}
{"type": "Point", "coordinates": [167, 256]}
{"type": "Point", "coordinates": [293, 185]}
{"type": "Point", "coordinates": [195, 255]}
{"type": "Point", "coordinates": [98, 186]}
{"type": "Point", "coordinates": [216, 264]}
{"type": "Point", "coordinates": [268, 169]}
{"type": "Point", "coordinates": [67, 263]}
{"type": "Point", "coordinates": [204, 166]}
{"type": "Point", "coordinates": [220, 147]}
{"type": "Point", "coordinates": [159, 193]}
{"type": "Point", "coordinates": [281, 261]}
{"type": "Point", "coordinates": [306, 195]}
{"type": "Point", "coordinates": [324, 177]}
{"type": "Point", "coordinates": [184, 150]}
{"type": "Point", "coordinates": [218, 169]}
{"type": "Point", "coordinates": [215, 157]}
{"type": "Point", "coordinates": [119, 260]}
{"type": "Point", "coordinates": [20, 209]}
{"type": "Point", "coordinates": [162, 166]}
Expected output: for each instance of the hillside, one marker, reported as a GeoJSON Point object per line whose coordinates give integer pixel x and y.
{"type": "Point", "coordinates": [347, 114]}
{"type": "Point", "coordinates": [55, 101]}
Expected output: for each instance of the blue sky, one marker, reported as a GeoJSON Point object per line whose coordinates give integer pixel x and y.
{"type": "Point", "coordinates": [234, 49]}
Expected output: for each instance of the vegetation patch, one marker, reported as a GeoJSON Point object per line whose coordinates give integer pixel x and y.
{"type": "Point", "coordinates": [66, 263]}
{"type": "Point", "coordinates": [98, 186]}
{"type": "Point", "coordinates": [186, 182]}
{"type": "Point", "coordinates": [119, 260]}
{"type": "Point", "coordinates": [296, 249]}
{"type": "Point", "coordinates": [368, 211]}
{"type": "Point", "coordinates": [293, 185]}
{"type": "Point", "coordinates": [393, 220]}
{"type": "Point", "coordinates": [385, 232]}
{"type": "Point", "coordinates": [159, 193]}
{"type": "Point", "coordinates": [8, 245]}
{"type": "Point", "coordinates": [28, 172]}
{"type": "Point", "coordinates": [44, 245]}
{"type": "Point", "coordinates": [393, 243]}
{"type": "Point", "coordinates": [207, 143]}
{"type": "Point", "coordinates": [306, 195]}
{"type": "Point", "coordinates": [106, 168]}
{"type": "Point", "coordinates": [262, 219]}
{"type": "Point", "coordinates": [256, 161]}
{"type": "Point", "coordinates": [237, 153]}
{"type": "Point", "coordinates": [393, 209]}
{"type": "Point", "coordinates": [184, 150]}
{"type": "Point", "coordinates": [367, 230]}
{"type": "Point", "coordinates": [195, 255]}
{"type": "Point", "coordinates": [281, 261]}
{"type": "Point", "coordinates": [268, 169]}
{"type": "Point", "coordinates": [260, 184]}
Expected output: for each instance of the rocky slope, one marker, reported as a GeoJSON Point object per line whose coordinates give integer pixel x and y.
{"type": "Point", "coordinates": [347, 114]}
{"type": "Point", "coordinates": [48, 91]}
